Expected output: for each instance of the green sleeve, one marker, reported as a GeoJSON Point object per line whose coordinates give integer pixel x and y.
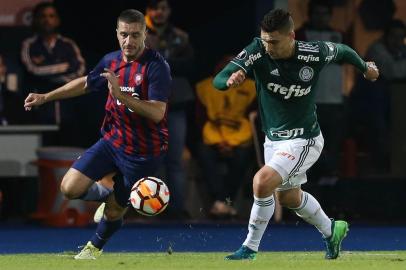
{"type": "Point", "coordinates": [348, 55]}
{"type": "Point", "coordinates": [220, 81]}
{"type": "Point", "coordinates": [341, 53]}
{"type": "Point", "coordinates": [246, 60]}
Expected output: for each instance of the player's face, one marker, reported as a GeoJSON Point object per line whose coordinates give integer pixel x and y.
{"type": "Point", "coordinates": [277, 44]}
{"type": "Point", "coordinates": [160, 14]}
{"type": "Point", "coordinates": [48, 20]}
{"type": "Point", "coordinates": [131, 37]}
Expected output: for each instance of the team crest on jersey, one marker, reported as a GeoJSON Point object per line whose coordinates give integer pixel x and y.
{"type": "Point", "coordinates": [242, 55]}
{"type": "Point", "coordinates": [306, 73]}
{"type": "Point", "coordinates": [138, 78]}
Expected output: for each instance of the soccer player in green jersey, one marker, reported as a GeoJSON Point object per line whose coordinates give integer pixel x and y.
{"type": "Point", "coordinates": [285, 72]}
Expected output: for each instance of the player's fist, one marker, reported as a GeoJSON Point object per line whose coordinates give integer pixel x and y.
{"type": "Point", "coordinates": [372, 72]}
{"type": "Point", "coordinates": [236, 79]}
{"type": "Point", "coordinates": [113, 84]}
{"type": "Point", "coordinates": [34, 99]}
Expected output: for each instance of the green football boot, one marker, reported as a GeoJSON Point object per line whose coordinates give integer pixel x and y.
{"type": "Point", "coordinates": [243, 253]}
{"type": "Point", "coordinates": [339, 230]}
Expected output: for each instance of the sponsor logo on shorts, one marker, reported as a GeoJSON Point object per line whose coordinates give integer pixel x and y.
{"type": "Point", "coordinates": [287, 155]}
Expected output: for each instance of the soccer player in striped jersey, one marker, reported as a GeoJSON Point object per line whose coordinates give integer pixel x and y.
{"type": "Point", "coordinates": [134, 132]}
{"type": "Point", "coordinates": [285, 72]}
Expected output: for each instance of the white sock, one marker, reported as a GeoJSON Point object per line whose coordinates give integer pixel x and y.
{"type": "Point", "coordinates": [310, 211]}
{"type": "Point", "coordinates": [261, 212]}
{"type": "Point", "coordinates": [96, 192]}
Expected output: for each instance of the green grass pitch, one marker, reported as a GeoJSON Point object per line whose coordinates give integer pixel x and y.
{"type": "Point", "coordinates": [382, 260]}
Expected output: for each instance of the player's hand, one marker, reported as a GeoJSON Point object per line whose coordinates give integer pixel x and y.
{"type": "Point", "coordinates": [372, 72]}
{"type": "Point", "coordinates": [113, 84]}
{"type": "Point", "coordinates": [34, 99]}
{"type": "Point", "coordinates": [236, 79]}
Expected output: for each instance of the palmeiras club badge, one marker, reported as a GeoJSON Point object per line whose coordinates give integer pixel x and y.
{"type": "Point", "coordinates": [138, 79]}
{"type": "Point", "coordinates": [306, 73]}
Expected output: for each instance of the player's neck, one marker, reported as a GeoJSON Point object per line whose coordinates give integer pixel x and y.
{"type": "Point", "coordinates": [135, 57]}
{"type": "Point", "coordinates": [290, 51]}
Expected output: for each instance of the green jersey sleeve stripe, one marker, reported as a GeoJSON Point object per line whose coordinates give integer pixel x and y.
{"type": "Point", "coordinates": [235, 63]}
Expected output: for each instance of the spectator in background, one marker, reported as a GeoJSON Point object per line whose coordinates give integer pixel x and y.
{"type": "Point", "coordinates": [389, 52]}
{"type": "Point", "coordinates": [328, 91]}
{"type": "Point", "coordinates": [227, 140]}
{"type": "Point", "coordinates": [9, 96]}
{"type": "Point", "coordinates": [51, 60]}
{"type": "Point", "coordinates": [173, 43]}
{"type": "Point", "coordinates": [370, 102]}
{"type": "Point", "coordinates": [3, 70]}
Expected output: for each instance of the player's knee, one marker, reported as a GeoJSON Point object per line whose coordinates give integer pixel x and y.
{"type": "Point", "coordinates": [265, 182]}
{"type": "Point", "coordinates": [261, 182]}
{"type": "Point", "coordinates": [68, 189]}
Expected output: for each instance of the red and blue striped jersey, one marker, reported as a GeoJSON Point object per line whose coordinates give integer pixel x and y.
{"type": "Point", "coordinates": [147, 78]}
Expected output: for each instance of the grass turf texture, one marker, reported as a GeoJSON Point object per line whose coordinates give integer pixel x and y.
{"type": "Point", "coordinates": [185, 260]}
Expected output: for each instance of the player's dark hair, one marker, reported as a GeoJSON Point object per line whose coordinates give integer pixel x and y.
{"type": "Point", "coordinates": [131, 16]}
{"type": "Point", "coordinates": [277, 20]}
{"type": "Point", "coordinates": [153, 4]}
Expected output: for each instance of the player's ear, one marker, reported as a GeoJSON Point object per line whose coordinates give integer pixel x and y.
{"type": "Point", "coordinates": [292, 34]}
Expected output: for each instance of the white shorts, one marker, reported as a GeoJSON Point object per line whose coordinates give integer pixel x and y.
{"type": "Point", "coordinates": [292, 158]}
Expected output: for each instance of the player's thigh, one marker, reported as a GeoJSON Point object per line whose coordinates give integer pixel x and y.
{"type": "Point", "coordinates": [92, 165]}
{"type": "Point", "coordinates": [113, 210]}
{"type": "Point", "coordinates": [97, 161]}
{"type": "Point", "coordinates": [130, 172]}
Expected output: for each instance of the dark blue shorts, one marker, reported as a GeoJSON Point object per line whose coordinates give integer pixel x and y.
{"type": "Point", "coordinates": [103, 158]}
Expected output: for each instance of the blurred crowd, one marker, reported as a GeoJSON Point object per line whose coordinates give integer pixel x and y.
{"type": "Point", "coordinates": [209, 128]}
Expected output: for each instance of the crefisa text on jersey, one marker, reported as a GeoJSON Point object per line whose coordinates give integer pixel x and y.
{"type": "Point", "coordinates": [288, 91]}
{"type": "Point", "coordinates": [252, 58]}
{"type": "Point", "coordinates": [308, 58]}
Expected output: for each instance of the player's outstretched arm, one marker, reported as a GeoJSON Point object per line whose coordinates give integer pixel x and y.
{"type": "Point", "coordinates": [348, 55]}
{"type": "Point", "coordinates": [230, 76]}
{"type": "Point", "coordinates": [73, 88]}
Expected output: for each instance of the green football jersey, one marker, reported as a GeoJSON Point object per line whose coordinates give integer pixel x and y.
{"type": "Point", "coordinates": [285, 87]}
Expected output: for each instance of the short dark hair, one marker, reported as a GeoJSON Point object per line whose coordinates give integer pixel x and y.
{"type": "Point", "coordinates": [131, 16]}
{"type": "Point", "coordinates": [152, 4]}
{"type": "Point", "coordinates": [277, 20]}
{"type": "Point", "coordinates": [36, 12]}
